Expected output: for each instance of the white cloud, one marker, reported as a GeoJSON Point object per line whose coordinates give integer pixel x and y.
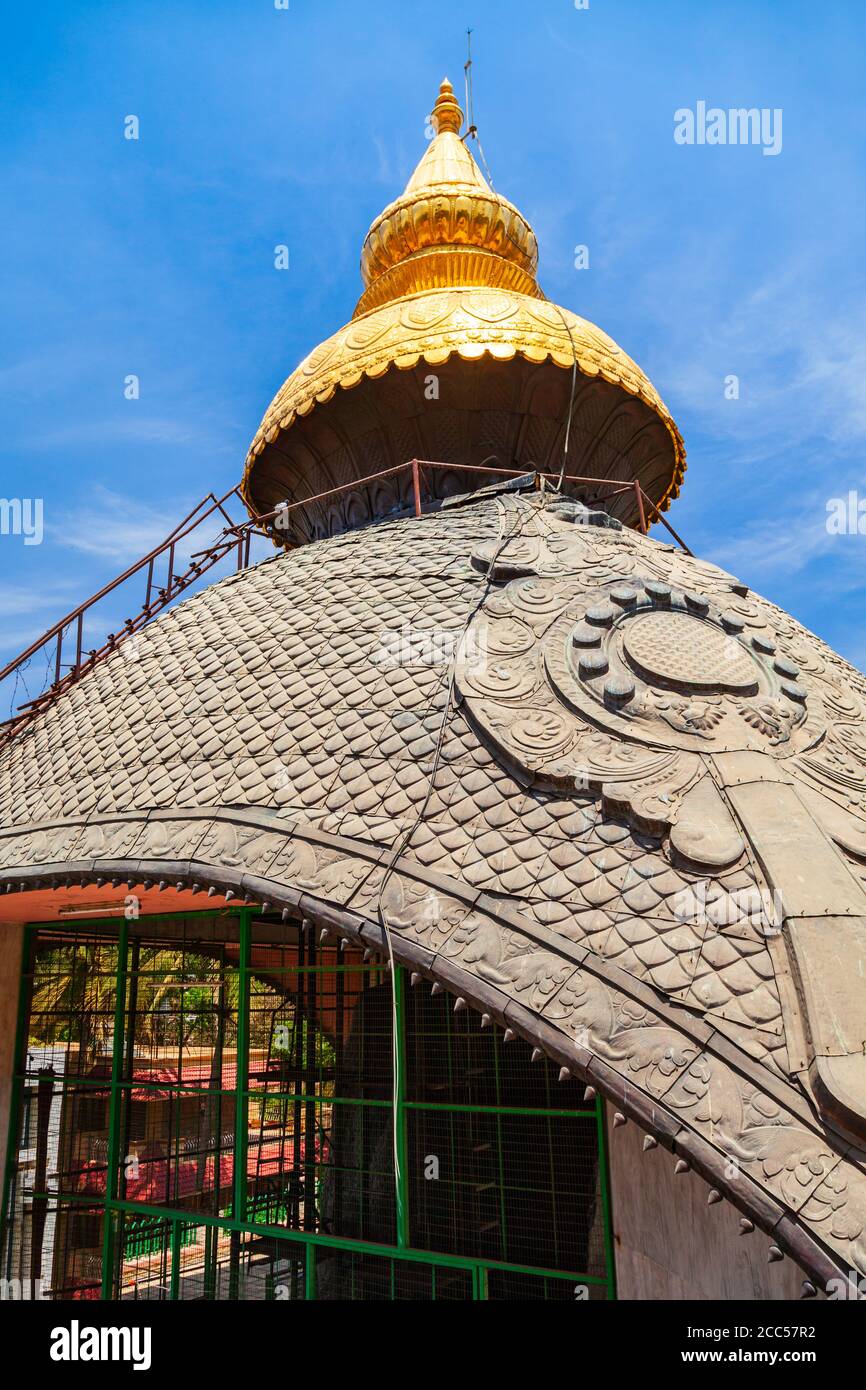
{"type": "Point", "coordinates": [800, 366]}
{"type": "Point", "coordinates": [114, 527]}
{"type": "Point", "coordinates": [19, 600]}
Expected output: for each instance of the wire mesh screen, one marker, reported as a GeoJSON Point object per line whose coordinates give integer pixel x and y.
{"type": "Point", "coordinates": [206, 1110]}
{"type": "Point", "coordinates": [503, 1163]}
{"type": "Point", "coordinates": [348, 1275]}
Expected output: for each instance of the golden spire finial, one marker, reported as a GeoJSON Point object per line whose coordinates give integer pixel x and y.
{"type": "Point", "coordinates": [447, 114]}
{"type": "Point", "coordinates": [448, 227]}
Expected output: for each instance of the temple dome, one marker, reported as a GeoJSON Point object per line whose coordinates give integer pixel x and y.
{"type": "Point", "coordinates": [593, 840]}
{"type": "Point", "coordinates": [449, 271]}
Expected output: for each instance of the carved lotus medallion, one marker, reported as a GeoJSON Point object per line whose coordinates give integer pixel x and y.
{"type": "Point", "coordinates": [703, 716]}
{"type": "Point", "coordinates": [675, 668]}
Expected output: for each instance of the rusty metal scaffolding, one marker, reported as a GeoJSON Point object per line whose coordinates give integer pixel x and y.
{"type": "Point", "coordinates": [236, 539]}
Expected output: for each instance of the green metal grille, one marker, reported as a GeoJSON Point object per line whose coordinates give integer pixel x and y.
{"type": "Point", "coordinates": [204, 1109]}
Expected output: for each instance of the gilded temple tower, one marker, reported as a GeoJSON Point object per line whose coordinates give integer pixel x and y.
{"type": "Point", "coordinates": [449, 271]}
{"type": "Point", "coordinates": [566, 890]}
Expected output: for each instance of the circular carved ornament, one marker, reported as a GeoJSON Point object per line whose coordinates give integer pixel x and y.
{"type": "Point", "coordinates": [674, 668]}
{"type": "Point", "coordinates": [688, 653]}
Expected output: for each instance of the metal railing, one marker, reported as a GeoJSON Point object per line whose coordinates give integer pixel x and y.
{"type": "Point", "coordinates": [67, 635]}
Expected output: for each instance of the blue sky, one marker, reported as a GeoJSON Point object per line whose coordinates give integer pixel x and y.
{"type": "Point", "coordinates": [261, 126]}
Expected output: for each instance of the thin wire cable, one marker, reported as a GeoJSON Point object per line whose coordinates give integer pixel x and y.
{"type": "Point", "coordinates": [402, 844]}
{"type": "Point", "coordinates": [489, 176]}
{"type": "Point", "coordinates": [19, 676]}
{"type": "Point", "coordinates": [473, 132]}
{"type": "Point", "coordinates": [467, 78]}
{"type": "Point", "coordinates": [502, 540]}
{"type": "Point", "coordinates": [570, 417]}
{"type": "Point", "coordinates": [566, 325]}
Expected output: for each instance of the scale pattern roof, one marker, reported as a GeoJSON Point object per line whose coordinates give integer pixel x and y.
{"type": "Point", "coordinates": [417, 689]}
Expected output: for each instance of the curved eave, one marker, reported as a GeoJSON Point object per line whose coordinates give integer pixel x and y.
{"type": "Point", "coordinates": [589, 364]}
{"type": "Point", "coordinates": [339, 892]}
